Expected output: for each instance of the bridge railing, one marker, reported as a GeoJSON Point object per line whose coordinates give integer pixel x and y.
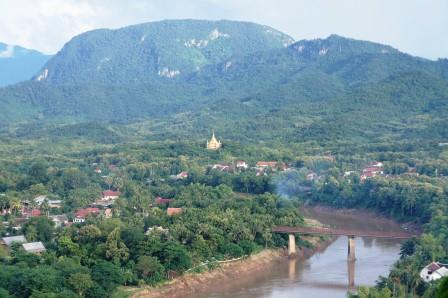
{"type": "Point", "coordinates": [342, 232]}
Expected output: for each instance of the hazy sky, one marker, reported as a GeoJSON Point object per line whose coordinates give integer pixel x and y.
{"type": "Point", "coordinates": [419, 27]}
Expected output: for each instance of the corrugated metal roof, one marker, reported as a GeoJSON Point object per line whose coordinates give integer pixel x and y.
{"type": "Point", "coordinates": [10, 240]}
{"type": "Point", "coordinates": [34, 247]}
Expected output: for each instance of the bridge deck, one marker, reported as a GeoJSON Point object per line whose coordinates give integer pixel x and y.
{"type": "Point", "coordinates": [341, 232]}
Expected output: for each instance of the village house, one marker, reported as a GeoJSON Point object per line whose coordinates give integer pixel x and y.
{"type": "Point", "coordinates": [110, 195]}
{"type": "Point", "coordinates": [34, 247]}
{"type": "Point", "coordinates": [372, 170]}
{"type": "Point", "coordinates": [222, 167]}
{"type": "Point", "coordinates": [39, 200]}
{"type": "Point", "coordinates": [27, 213]}
{"type": "Point", "coordinates": [181, 176]}
{"type": "Point", "coordinates": [434, 271]}
{"type": "Point", "coordinates": [55, 203]}
{"type": "Point", "coordinates": [107, 213]}
{"type": "Point", "coordinates": [174, 211]}
{"type": "Point", "coordinates": [266, 164]}
{"type": "Point", "coordinates": [349, 173]}
{"type": "Point", "coordinates": [59, 220]}
{"type": "Point", "coordinates": [242, 165]}
{"type": "Point", "coordinates": [159, 229]}
{"type": "Point", "coordinates": [51, 203]}
{"type": "Point", "coordinates": [8, 241]}
{"type": "Point", "coordinates": [98, 171]}
{"type": "Point", "coordinates": [81, 214]}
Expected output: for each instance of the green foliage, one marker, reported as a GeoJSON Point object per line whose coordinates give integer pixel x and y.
{"type": "Point", "coordinates": [232, 250]}
{"type": "Point", "coordinates": [4, 293]}
{"type": "Point", "coordinates": [442, 289]}
{"type": "Point", "coordinates": [116, 250]}
{"type": "Point", "coordinates": [107, 275]}
{"type": "Point", "coordinates": [150, 269]}
{"type": "Point", "coordinates": [80, 283]}
{"type": "Point", "coordinates": [365, 292]}
{"type": "Point", "coordinates": [39, 229]}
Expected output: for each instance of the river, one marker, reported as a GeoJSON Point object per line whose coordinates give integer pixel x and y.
{"type": "Point", "coordinates": [326, 273]}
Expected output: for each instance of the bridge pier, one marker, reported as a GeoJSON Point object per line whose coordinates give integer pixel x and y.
{"type": "Point", "coordinates": [351, 249]}
{"type": "Point", "coordinates": [292, 245]}
{"type": "Point", "coordinates": [351, 275]}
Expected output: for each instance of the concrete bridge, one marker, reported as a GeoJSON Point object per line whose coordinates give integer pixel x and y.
{"type": "Point", "coordinates": [350, 233]}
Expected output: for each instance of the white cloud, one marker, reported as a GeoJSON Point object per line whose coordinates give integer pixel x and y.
{"type": "Point", "coordinates": [8, 52]}
{"type": "Point", "coordinates": [415, 26]}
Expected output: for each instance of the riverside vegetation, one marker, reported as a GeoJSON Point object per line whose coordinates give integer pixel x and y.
{"type": "Point", "coordinates": [329, 106]}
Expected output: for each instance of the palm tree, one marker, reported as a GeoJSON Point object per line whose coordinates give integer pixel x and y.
{"type": "Point", "coordinates": [15, 204]}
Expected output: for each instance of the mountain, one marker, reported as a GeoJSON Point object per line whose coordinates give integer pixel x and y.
{"type": "Point", "coordinates": [146, 52]}
{"type": "Point", "coordinates": [19, 64]}
{"type": "Point", "coordinates": [248, 81]}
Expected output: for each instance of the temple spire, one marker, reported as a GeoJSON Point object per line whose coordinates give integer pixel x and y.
{"type": "Point", "coordinates": [213, 144]}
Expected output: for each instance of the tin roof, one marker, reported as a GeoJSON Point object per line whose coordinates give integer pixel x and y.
{"type": "Point", "coordinates": [33, 247]}
{"type": "Point", "coordinates": [10, 240]}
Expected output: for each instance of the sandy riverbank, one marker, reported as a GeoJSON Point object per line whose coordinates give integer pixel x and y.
{"type": "Point", "coordinates": [373, 220]}
{"type": "Point", "coordinates": [227, 273]}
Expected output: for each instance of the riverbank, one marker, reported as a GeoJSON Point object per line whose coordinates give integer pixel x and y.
{"type": "Point", "coordinates": [240, 273]}
{"type": "Point", "coordinates": [229, 273]}
{"type": "Point", "coordinates": [374, 220]}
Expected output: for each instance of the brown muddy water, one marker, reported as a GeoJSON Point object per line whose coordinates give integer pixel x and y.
{"type": "Point", "coordinates": [326, 273]}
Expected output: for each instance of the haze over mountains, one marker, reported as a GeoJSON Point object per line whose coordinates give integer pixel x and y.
{"type": "Point", "coordinates": [189, 76]}
{"type": "Point", "coordinates": [19, 64]}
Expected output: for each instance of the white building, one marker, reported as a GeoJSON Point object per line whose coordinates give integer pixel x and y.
{"type": "Point", "coordinates": [59, 220]}
{"type": "Point", "coordinates": [241, 164]}
{"type": "Point", "coordinates": [40, 199]}
{"type": "Point", "coordinates": [434, 271]}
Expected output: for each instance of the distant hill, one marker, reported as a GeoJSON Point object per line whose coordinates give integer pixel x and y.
{"type": "Point", "coordinates": [146, 52]}
{"type": "Point", "coordinates": [19, 64]}
{"type": "Point", "coordinates": [182, 78]}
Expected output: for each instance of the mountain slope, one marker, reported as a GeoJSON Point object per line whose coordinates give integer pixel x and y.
{"type": "Point", "coordinates": [151, 51]}
{"type": "Point", "coordinates": [247, 79]}
{"type": "Point", "coordinates": [19, 64]}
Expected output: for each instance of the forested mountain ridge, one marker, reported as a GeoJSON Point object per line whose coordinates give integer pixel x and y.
{"type": "Point", "coordinates": [167, 49]}
{"type": "Point", "coordinates": [19, 64]}
{"type": "Point", "coordinates": [198, 75]}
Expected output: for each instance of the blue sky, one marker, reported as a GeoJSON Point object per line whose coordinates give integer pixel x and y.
{"type": "Point", "coordinates": [418, 27]}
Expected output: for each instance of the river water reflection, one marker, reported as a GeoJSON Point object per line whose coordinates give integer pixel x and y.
{"type": "Point", "coordinates": [325, 274]}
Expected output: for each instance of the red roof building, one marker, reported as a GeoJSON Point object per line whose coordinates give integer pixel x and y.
{"type": "Point", "coordinates": [182, 175]}
{"type": "Point", "coordinates": [31, 213]}
{"type": "Point", "coordinates": [174, 211]}
{"type": "Point", "coordinates": [83, 213]}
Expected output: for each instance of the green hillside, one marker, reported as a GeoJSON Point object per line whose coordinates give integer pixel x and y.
{"type": "Point", "coordinates": [245, 81]}
{"type": "Point", "coordinates": [158, 50]}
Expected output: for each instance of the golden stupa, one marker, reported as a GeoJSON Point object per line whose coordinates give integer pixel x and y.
{"type": "Point", "coordinates": [213, 144]}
